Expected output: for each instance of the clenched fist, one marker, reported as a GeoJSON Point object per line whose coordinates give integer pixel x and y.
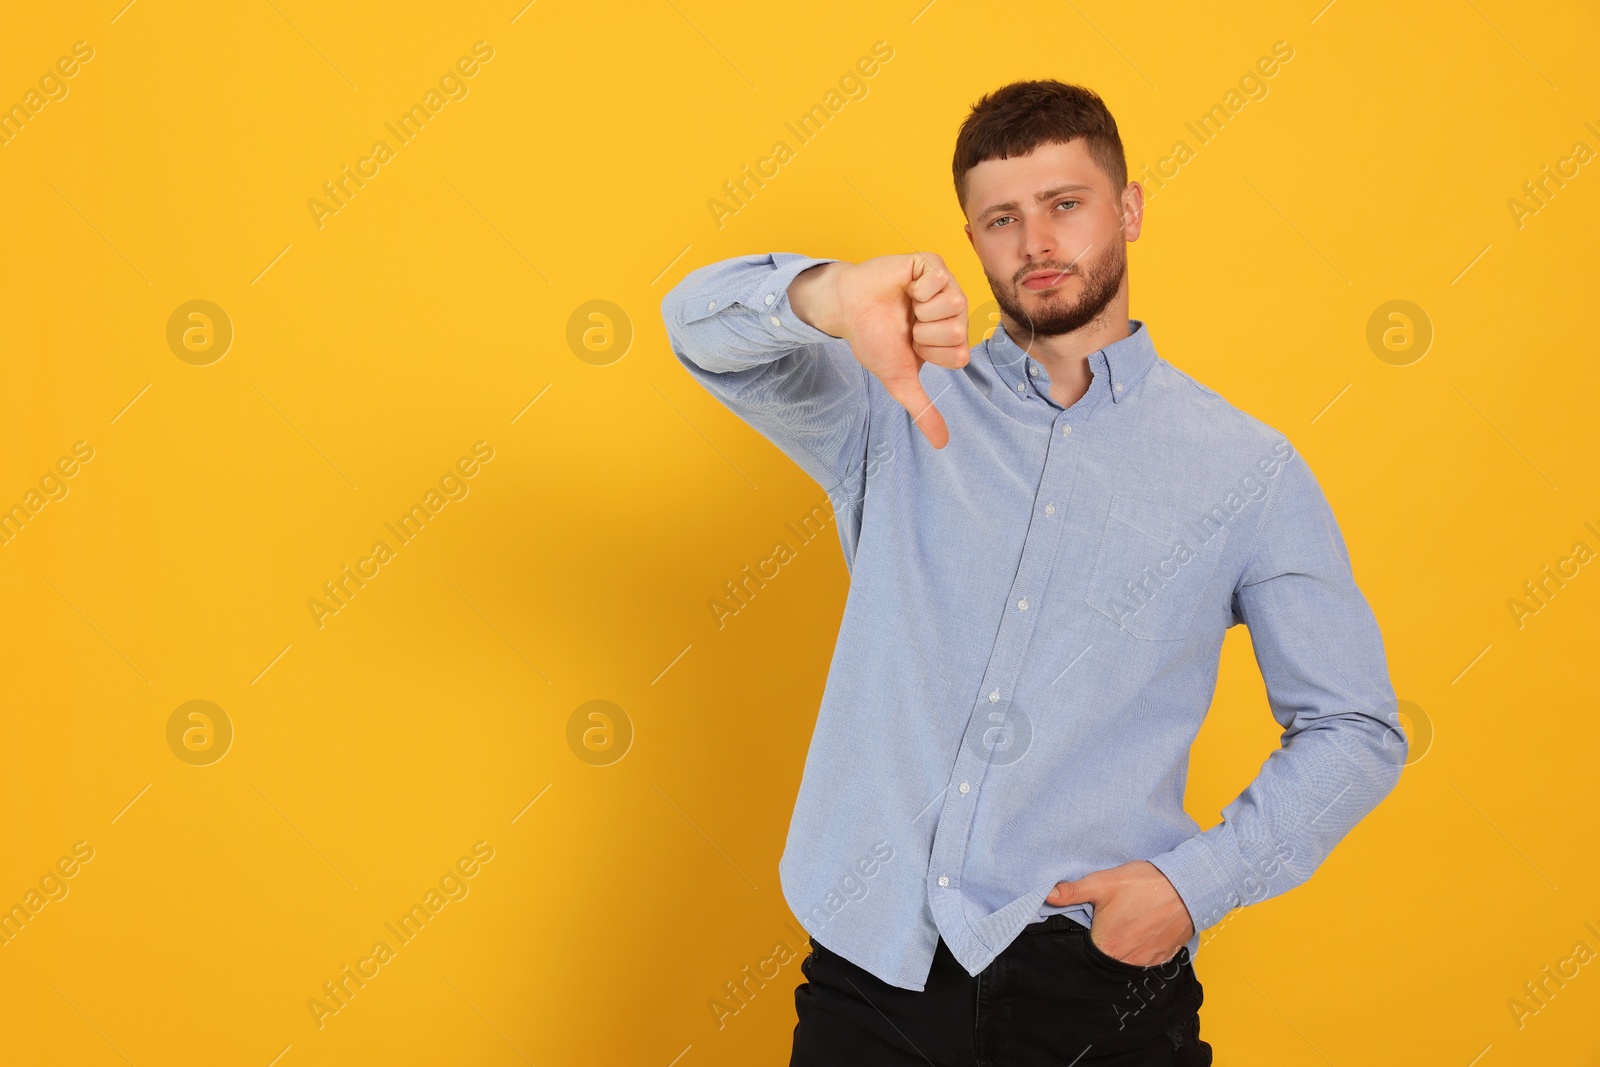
{"type": "Point", "coordinates": [898, 312]}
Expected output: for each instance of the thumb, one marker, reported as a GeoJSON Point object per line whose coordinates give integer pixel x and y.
{"type": "Point", "coordinates": [908, 392]}
{"type": "Point", "coordinates": [1081, 891]}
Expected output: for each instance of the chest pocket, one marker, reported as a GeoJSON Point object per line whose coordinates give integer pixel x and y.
{"type": "Point", "coordinates": [1152, 569]}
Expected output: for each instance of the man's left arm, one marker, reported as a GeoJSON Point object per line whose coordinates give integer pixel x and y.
{"type": "Point", "coordinates": [1322, 658]}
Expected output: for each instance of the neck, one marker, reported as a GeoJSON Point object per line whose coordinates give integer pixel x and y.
{"type": "Point", "coordinates": [1065, 356]}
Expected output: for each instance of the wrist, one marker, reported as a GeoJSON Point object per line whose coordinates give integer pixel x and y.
{"type": "Point", "coordinates": [814, 297]}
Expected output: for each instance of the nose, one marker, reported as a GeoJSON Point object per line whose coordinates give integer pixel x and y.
{"type": "Point", "coordinates": [1038, 240]}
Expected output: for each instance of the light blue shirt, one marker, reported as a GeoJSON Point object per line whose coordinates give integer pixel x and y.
{"type": "Point", "coordinates": [1033, 628]}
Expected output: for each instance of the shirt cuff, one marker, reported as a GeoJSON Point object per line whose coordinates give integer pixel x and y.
{"type": "Point", "coordinates": [770, 299]}
{"type": "Point", "coordinates": [1203, 880]}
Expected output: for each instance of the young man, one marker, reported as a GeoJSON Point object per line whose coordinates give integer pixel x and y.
{"type": "Point", "coordinates": [1048, 537]}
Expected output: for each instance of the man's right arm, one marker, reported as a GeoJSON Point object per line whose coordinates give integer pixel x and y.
{"type": "Point", "coordinates": [735, 327]}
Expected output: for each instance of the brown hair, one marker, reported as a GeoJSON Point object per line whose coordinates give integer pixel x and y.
{"type": "Point", "coordinates": [1017, 118]}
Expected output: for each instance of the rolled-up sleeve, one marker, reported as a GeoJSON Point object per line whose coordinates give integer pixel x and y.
{"type": "Point", "coordinates": [1342, 748]}
{"type": "Point", "coordinates": [731, 326]}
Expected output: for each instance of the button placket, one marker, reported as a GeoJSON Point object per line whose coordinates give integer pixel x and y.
{"type": "Point", "coordinates": [948, 853]}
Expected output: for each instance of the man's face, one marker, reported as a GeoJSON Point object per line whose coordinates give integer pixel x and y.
{"type": "Point", "coordinates": [1049, 230]}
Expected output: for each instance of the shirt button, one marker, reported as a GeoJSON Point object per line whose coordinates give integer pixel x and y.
{"type": "Point", "coordinates": [776, 321]}
{"type": "Point", "coordinates": [994, 697]}
{"type": "Point", "coordinates": [771, 298]}
{"type": "Point", "coordinates": [1021, 387]}
{"type": "Point", "coordinates": [965, 788]}
{"type": "Point", "coordinates": [1033, 370]}
{"type": "Point", "coordinates": [1049, 509]}
{"type": "Point", "coordinates": [711, 306]}
{"type": "Point", "coordinates": [1066, 427]}
{"type": "Point", "coordinates": [1022, 605]}
{"type": "Point", "coordinates": [943, 880]}
{"type": "Point", "coordinates": [1117, 387]}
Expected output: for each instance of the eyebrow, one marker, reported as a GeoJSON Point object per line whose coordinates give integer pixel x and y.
{"type": "Point", "coordinates": [1048, 194]}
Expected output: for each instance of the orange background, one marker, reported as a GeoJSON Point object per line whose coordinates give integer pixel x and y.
{"type": "Point", "coordinates": [634, 857]}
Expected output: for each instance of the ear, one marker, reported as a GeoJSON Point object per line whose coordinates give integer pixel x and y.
{"type": "Point", "coordinates": [967, 229]}
{"type": "Point", "coordinates": [1132, 210]}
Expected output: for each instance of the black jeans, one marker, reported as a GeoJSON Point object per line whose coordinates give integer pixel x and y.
{"type": "Point", "coordinates": [1051, 998]}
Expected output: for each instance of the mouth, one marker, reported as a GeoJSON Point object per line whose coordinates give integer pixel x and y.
{"type": "Point", "coordinates": [1045, 279]}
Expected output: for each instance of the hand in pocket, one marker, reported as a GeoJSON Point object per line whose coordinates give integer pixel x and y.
{"type": "Point", "coordinates": [1139, 918]}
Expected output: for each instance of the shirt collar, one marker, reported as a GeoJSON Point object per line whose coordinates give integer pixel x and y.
{"type": "Point", "coordinates": [1116, 367]}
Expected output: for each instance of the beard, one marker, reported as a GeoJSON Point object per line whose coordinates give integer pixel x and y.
{"type": "Point", "coordinates": [1058, 314]}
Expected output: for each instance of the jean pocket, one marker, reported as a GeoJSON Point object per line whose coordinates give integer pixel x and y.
{"type": "Point", "coordinates": [1067, 993]}
{"type": "Point", "coordinates": [1167, 971]}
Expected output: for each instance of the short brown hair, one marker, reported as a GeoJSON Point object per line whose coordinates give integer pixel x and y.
{"type": "Point", "coordinates": [1017, 118]}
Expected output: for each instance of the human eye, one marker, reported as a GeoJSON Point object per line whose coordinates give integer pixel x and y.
{"type": "Point", "coordinates": [995, 222]}
{"type": "Point", "coordinates": [1067, 201]}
